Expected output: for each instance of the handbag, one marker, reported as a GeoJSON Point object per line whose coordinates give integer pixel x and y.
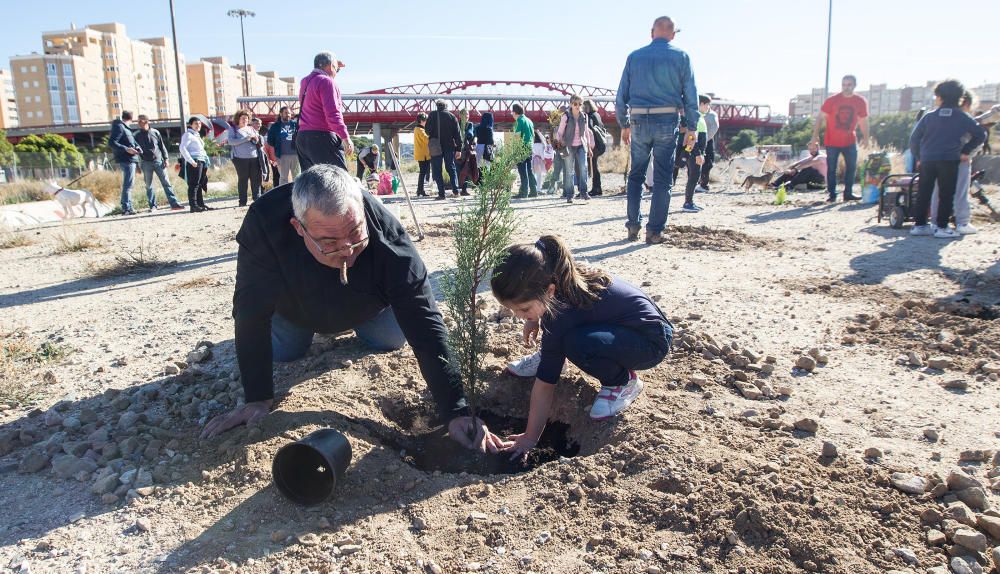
{"type": "Point", "coordinates": [434, 144]}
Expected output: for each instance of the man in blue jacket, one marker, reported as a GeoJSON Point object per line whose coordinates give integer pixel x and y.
{"type": "Point", "coordinates": [281, 138]}
{"type": "Point", "coordinates": [656, 85]}
{"type": "Point", "coordinates": [126, 151]}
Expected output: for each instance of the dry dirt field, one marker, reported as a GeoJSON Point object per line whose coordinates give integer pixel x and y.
{"type": "Point", "coordinates": [818, 353]}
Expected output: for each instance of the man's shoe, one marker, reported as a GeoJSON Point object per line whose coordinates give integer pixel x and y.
{"type": "Point", "coordinates": [454, 194]}
{"type": "Point", "coordinates": [699, 189]}
{"type": "Point", "coordinates": [569, 199]}
{"type": "Point", "coordinates": [946, 233]}
{"type": "Point", "coordinates": [831, 199]}
{"type": "Point", "coordinates": [129, 212]}
{"type": "Point", "coordinates": [596, 192]}
{"type": "Point", "coordinates": [522, 195]}
{"type": "Point", "coordinates": [439, 198]}
{"type": "Point", "coordinates": [196, 209]}
{"type": "Point", "coordinates": [177, 207]}
{"type": "Point", "coordinates": [465, 194]}
{"type": "Point", "coordinates": [525, 367]}
{"type": "Point", "coordinates": [852, 198]}
{"type": "Point", "coordinates": [966, 229]}
{"type": "Point", "coordinates": [690, 208]}
{"type": "Point", "coordinates": [585, 197]}
{"type": "Point", "coordinates": [655, 238]}
{"type": "Point", "coordinates": [921, 230]}
{"type": "Point", "coordinates": [205, 207]}
{"type": "Point", "coordinates": [533, 193]}
{"type": "Point", "coordinates": [152, 208]}
{"type": "Point", "coordinates": [611, 401]}
{"type": "Point", "coordinates": [633, 233]}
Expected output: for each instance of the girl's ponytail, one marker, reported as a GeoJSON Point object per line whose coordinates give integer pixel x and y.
{"type": "Point", "coordinates": [529, 269]}
{"type": "Point", "coordinates": [577, 286]}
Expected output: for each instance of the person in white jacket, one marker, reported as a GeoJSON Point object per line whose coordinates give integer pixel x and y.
{"type": "Point", "coordinates": [195, 168]}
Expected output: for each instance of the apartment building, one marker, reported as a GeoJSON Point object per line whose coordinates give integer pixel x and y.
{"type": "Point", "coordinates": [8, 101]}
{"type": "Point", "coordinates": [92, 74]}
{"type": "Point", "coordinates": [214, 85]}
{"type": "Point", "coordinates": [881, 100]}
{"type": "Point", "coordinates": [168, 99]}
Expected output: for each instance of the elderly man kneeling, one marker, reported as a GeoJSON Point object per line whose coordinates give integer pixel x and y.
{"type": "Point", "coordinates": [296, 244]}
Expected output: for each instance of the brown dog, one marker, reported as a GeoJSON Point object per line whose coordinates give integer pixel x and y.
{"type": "Point", "coordinates": [762, 180]}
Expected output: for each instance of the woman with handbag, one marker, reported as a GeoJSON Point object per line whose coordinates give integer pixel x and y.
{"type": "Point", "coordinates": [445, 145]}
{"type": "Point", "coordinates": [484, 140]}
{"type": "Point", "coordinates": [243, 144]}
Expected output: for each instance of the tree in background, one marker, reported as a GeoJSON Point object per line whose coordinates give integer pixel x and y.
{"type": "Point", "coordinates": [483, 231]}
{"type": "Point", "coordinates": [48, 150]}
{"type": "Point", "coordinates": [6, 150]}
{"type": "Point", "coordinates": [742, 140]}
{"type": "Point", "coordinates": [893, 130]}
{"type": "Point", "coordinates": [796, 133]}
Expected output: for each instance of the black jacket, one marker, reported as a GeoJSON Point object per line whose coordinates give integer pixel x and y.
{"type": "Point", "coordinates": [151, 143]}
{"type": "Point", "coordinates": [121, 138]}
{"type": "Point", "coordinates": [450, 134]}
{"type": "Point", "coordinates": [275, 273]}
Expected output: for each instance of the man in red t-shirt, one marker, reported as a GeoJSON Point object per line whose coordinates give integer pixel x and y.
{"type": "Point", "coordinates": [842, 114]}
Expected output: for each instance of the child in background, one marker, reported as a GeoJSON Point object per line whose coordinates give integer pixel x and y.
{"type": "Point", "coordinates": [696, 157]}
{"type": "Point", "coordinates": [602, 324]}
{"type": "Point", "coordinates": [963, 211]}
{"type": "Point", "coordinates": [937, 144]}
{"type": "Point", "coordinates": [538, 157]}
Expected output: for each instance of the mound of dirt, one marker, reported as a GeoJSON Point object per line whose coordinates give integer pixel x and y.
{"type": "Point", "coordinates": [715, 239]}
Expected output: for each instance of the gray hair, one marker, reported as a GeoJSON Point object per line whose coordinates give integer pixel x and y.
{"type": "Point", "coordinates": [324, 59]}
{"type": "Point", "coordinates": [326, 188]}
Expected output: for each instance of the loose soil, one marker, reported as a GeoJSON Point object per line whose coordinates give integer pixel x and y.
{"type": "Point", "coordinates": [103, 471]}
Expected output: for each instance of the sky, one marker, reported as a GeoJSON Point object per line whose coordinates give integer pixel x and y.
{"type": "Point", "coordinates": [765, 51]}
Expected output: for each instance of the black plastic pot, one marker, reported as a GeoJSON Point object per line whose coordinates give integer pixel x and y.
{"type": "Point", "coordinates": [308, 471]}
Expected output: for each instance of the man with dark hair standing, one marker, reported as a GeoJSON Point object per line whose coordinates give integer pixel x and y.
{"type": "Point", "coordinates": [153, 159]}
{"type": "Point", "coordinates": [442, 126]}
{"type": "Point", "coordinates": [657, 84]}
{"type": "Point", "coordinates": [322, 135]}
{"type": "Point", "coordinates": [281, 142]}
{"type": "Point", "coordinates": [842, 114]}
{"type": "Point", "coordinates": [126, 152]}
{"type": "Point", "coordinates": [524, 128]}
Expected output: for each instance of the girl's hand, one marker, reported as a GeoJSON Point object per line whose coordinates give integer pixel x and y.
{"type": "Point", "coordinates": [521, 446]}
{"type": "Point", "coordinates": [530, 333]}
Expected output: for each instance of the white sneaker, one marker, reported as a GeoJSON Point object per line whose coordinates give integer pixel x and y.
{"type": "Point", "coordinates": [966, 229]}
{"type": "Point", "coordinates": [921, 230]}
{"type": "Point", "coordinates": [946, 233]}
{"type": "Point", "coordinates": [699, 189]}
{"type": "Point", "coordinates": [612, 400]}
{"type": "Point", "coordinates": [525, 367]}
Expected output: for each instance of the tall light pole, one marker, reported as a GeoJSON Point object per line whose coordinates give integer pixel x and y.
{"type": "Point", "coordinates": [177, 66]}
{"type": "Point", "coordinates": [829, 33]}
{"type": "Point", "coordinates": [241, 14]}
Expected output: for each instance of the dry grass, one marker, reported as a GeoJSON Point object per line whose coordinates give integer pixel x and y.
{"type": "Point", "coordinates": [140, 260]}
{"type": "Point", "coordinates": [197, 283]}
{"type": "Point", "coordinates": [614, 160]}
{"type": "Point", "coordinates": [67, 242]}
{"type": "Point", "coordinates": [12, 239]}
{"type": "Point", "coordinates": [19, 356]}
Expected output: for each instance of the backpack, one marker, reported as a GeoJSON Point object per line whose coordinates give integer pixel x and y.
{"type": "Point", "coordinates": [601, 136]}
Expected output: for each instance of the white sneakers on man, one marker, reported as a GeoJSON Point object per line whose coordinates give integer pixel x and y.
{"type": "Point", "coordinates": [525, 367]}
{"type": "Point", "coordinates": [612, 400]}
{"type": "Point", "coordinates": [945, 233]}
{"type": "Point", "coordinates": [921, 230]}
{"type": "Point", "coordinates": [966, 229]}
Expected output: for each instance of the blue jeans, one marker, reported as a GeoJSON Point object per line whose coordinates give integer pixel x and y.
{"type": "Point", "coordinates": [128, 180]}
{"type": "Point", "coordinates": [832, 158]}
{"type": "Point", "coordinates": [290, 342]}
{"type": "Point", "coordinates": [527, 176]}
{"type": "Point", "coordinates": [448, 158]}
{"type": "Point", "coordinates": [609, 352]}
{"type": "Point", "coordinates": [150, 167]}
{"type": "Point", "coordinates": [575, 163]}
{"type": "Point", "coordinates": [653, 136]}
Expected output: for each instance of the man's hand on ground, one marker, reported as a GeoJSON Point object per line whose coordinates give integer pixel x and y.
{"type": "Point", "coordinates": [459, 430]}
{"type": "Point", "coordinates": [627, 136]}
{"type": "Point", "coordinates": [246, 414]}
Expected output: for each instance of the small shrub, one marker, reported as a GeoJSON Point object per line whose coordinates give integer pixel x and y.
{"type": "Point", "coordinates": [67, 242]}
{"type": "Point", "coordinates": [140, 260]}
{"type": "Point", "coordinates": [18, 356]}
{"type": "Point", "coordinates": [9, 240]}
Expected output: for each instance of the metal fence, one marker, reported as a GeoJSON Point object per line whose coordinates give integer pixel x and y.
{"type": "Point", "coordinates": [50, 165]}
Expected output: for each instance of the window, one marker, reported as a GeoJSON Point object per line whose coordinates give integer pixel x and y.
{"type": "Point", "coordinates": [24, 84]}
{"type": "Point", "coordinates": [117, 106]}
{"type": "Point", "coordinates": [31, 114]}
{"type": "Point", "coordinates": [50, 69]}
{"type": "Point", "coordinates": [114, 93]}
{"type": "Point", "coordinates": [38, 99]}
{"type": "Point", "coordinates": [57, 116]}
{"type": "Point", "coordinates": [34, 69]}
{"type": "Point", "coordinates": [74, 115]}
{"type": "Point", "coordinates": [39, 114]}
{"type": "Point", "coordinates": [34, 83]}
{"type": "Point", "coordinates": [70, 99]}
{"type": "Point", "coordinates": [24, 69]}
{"type": "Point", "coordinates": [27, 99]}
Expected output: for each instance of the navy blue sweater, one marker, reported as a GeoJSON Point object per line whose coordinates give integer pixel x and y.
{"type": "Point", "coordinates": [939, 135]}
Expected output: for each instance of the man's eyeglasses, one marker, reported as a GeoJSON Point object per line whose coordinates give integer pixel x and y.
{"type": "Point", "coordinates": [329, 247]}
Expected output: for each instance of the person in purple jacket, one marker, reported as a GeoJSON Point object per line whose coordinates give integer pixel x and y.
{"type": "Point", "coordinates": [322, 135]}
{"type": "Point", "coordinates": [941, 141]}
{"type": "Point", "coordinates": [602, 324]}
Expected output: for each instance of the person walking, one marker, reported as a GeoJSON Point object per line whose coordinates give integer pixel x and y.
{"type": "Point", "coordinates": [712, 124]}
{"type": "Point", "coordinates": [484, 140]}
{"type": "Point", "coordinates": [524, 127]}
{"type": "Point", "coordinates": [575, 135]}
{"type": "Point", "coordinates": [322, 134]}
{"type": "Point", "coordinates": [126, 152]}
{"type": "Point", "coordinates": [421, 154]}
{"type": "Point", "coordinates": [656, 84]}
{"type": "Point", "coordinates": [445, 146]}
{"type": "Point", "coordinates": [152, 159]}
{"type": "Point", "coordinates": [842, 114]}
{"type": "Point", "coordinates": [281, 139]}
{"type": "Point", "coordinates": [243, 140]}
{"type": "Point", "coordinates": [600, 139]}
{"type": "Point", "coordinates": [195, 166]}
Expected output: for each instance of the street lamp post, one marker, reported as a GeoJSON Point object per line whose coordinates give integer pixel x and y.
{"type": "Point", "coordinates": [241, 14]}
{"type": "Point", "coordinates": [177, 67]}
{"type": "Point", "coordinates": [829, 33]}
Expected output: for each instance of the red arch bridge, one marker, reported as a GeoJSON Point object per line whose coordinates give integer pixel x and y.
{"type": "Point", "coordinates": [385, 113]}
{"type": "Point", "coordinates": [388, 111]}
